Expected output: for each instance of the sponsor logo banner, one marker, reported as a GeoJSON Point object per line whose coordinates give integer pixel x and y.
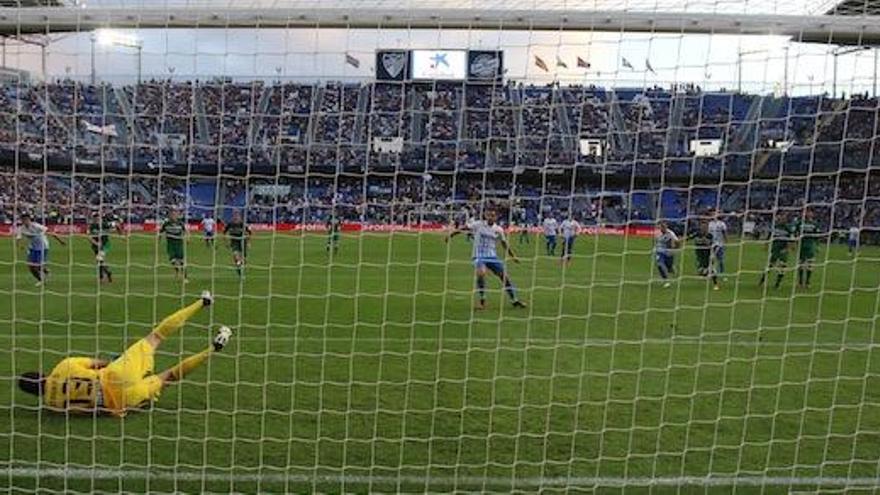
{"type": "Point", "coordinates": [151, 226]}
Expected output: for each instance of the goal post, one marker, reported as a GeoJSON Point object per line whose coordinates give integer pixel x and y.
{"type": "Point", "coordinates": [515, 247]}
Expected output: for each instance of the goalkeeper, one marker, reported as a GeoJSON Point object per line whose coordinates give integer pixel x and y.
{"type": "Point", "coordinates": [86, 385]}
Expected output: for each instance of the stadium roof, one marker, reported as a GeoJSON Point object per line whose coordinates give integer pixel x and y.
{"type": "Point", "coordinates": [856, 8]}
{"type": "Point", "coordinates": [31, 3]}
{"type": "Point", "coordinates": [785, 7]}
{"type": "Point", "coordinates": [802, 20]}
{"type": "Point", "coordinates": [865, 9]}
{"type": "Point", "coordinates": [750, 7]}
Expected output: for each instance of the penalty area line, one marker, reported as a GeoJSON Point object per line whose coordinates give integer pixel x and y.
{"type": "Point", "coordinates": [148, 474]}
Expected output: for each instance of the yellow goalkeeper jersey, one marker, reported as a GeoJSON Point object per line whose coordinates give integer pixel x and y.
{"type": "Point", "coordinates": [73, 384]}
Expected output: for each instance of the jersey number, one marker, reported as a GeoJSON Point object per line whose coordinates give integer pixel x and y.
{"type": "Point", "coordinates": [78, 385]}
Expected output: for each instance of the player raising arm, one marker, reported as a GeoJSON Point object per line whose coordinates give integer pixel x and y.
{"type": "Point", "coordinates": [38, 246]}
{"type": "Point", "coordinates": [487, 234]}
{"type": "Point", "coordinates": [85, 385]}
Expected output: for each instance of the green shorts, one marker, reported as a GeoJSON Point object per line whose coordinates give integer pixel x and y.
{"type": "Point", "coordinates": [175, 252]}
{"type": "Point", "coordinates": [778, 256]}
{"type": "Point", "coordinates": [703, 257]}
{"type": "Point", "coordinates": [806, 254]}
{"type": "Point", "coordinates": [239, 247]}
{"type": "Point", "coordinates": [104, 248]}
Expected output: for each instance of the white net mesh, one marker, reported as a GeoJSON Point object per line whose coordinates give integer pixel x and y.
{"type": "Point", "coordinates": [601, 351]}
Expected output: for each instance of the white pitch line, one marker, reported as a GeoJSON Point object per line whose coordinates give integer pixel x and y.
{"type": "Point", "coordinates": [503, 339]}
{"type": "Point", "coordinates": [453, 481]}
{"type": "Point", "coordinates": [262, 273]}
{"type": "Point", "coordinates": [227, 274]}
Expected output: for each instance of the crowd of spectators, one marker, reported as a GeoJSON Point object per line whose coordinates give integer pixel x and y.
{"type": "Point", "coordinates": [59, 198]}
{"type": "Point", "coordinates": [320, 138]}
{"type": "Point", "coordinates": [840, 201]}
{"type": "Point", "coordinates": [442, 125]}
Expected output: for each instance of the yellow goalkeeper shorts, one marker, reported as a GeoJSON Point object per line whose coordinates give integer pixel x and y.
{"type": "Point", "coordinates": [128, 381]}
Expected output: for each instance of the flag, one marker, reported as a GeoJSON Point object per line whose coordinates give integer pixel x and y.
{"type": "Point", "coordinates": [560, 63]}
{"type": "Point", "coordinates": [541, 64]}
{"type": "Point", "coordinates": [583, 63]}
{"type": "Point", "coordinates": [626, 64]}
{"type": "Point", "coordinates": [352, 61]}
{"type": "Point", "coordinates": [648, 66]}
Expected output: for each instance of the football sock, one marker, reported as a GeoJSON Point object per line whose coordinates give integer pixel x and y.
{"type": "Point", "coordinates": [184, 367]}
{"type": "Point", "coordinates": [481, 287]}
{"type": "Point", "coordinates": [173, 322]}
{"type": "Point", "coordinates": [511, 290]}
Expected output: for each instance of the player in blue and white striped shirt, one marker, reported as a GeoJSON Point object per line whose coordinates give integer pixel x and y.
{"type": "Point", "coordinates": [718, 229]}
{"type": "Point", "coordinates": [551, 228]}
{"type": "Point", "coordinates": [853, 239]}
{"type": "Point", "coordinates": [38, 246]}
{"type": "Point", "coordinates": [486, 235]}
{"type": "Point", "coordinates": [569, 228]}
{"type": "Point", "coordinates": [664, 243]}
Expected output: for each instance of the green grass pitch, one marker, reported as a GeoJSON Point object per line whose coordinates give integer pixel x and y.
{"type": "Point", "coordinates": [370, 371]}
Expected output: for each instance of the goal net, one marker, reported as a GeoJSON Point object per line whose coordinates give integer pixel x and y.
{"type": "Point", "coordinates": [521, 246]}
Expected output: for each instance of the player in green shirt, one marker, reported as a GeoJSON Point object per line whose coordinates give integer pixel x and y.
{"type": "Point", "coordinates": [521, 218]}
{"type": "Point", "coordinates": [333, 228]}
{"type": "Point", "coordinates": [174, 230]}
{"type": "Point", "coordinates": [100, 227]}
{"type": "Point", "coordinates": [703, 240]}
{"type": "Point", "coordinates": [239, 236]}
{"type": "Point", "coordinates": [780, 239]}
{"type": "Point", "coordinates": [809, 236]}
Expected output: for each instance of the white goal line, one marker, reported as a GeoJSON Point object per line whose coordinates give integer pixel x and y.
{"type": "Point", "coordinates": [502, 339]}
{"type": "Point", "coordinates": [459, 481]}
